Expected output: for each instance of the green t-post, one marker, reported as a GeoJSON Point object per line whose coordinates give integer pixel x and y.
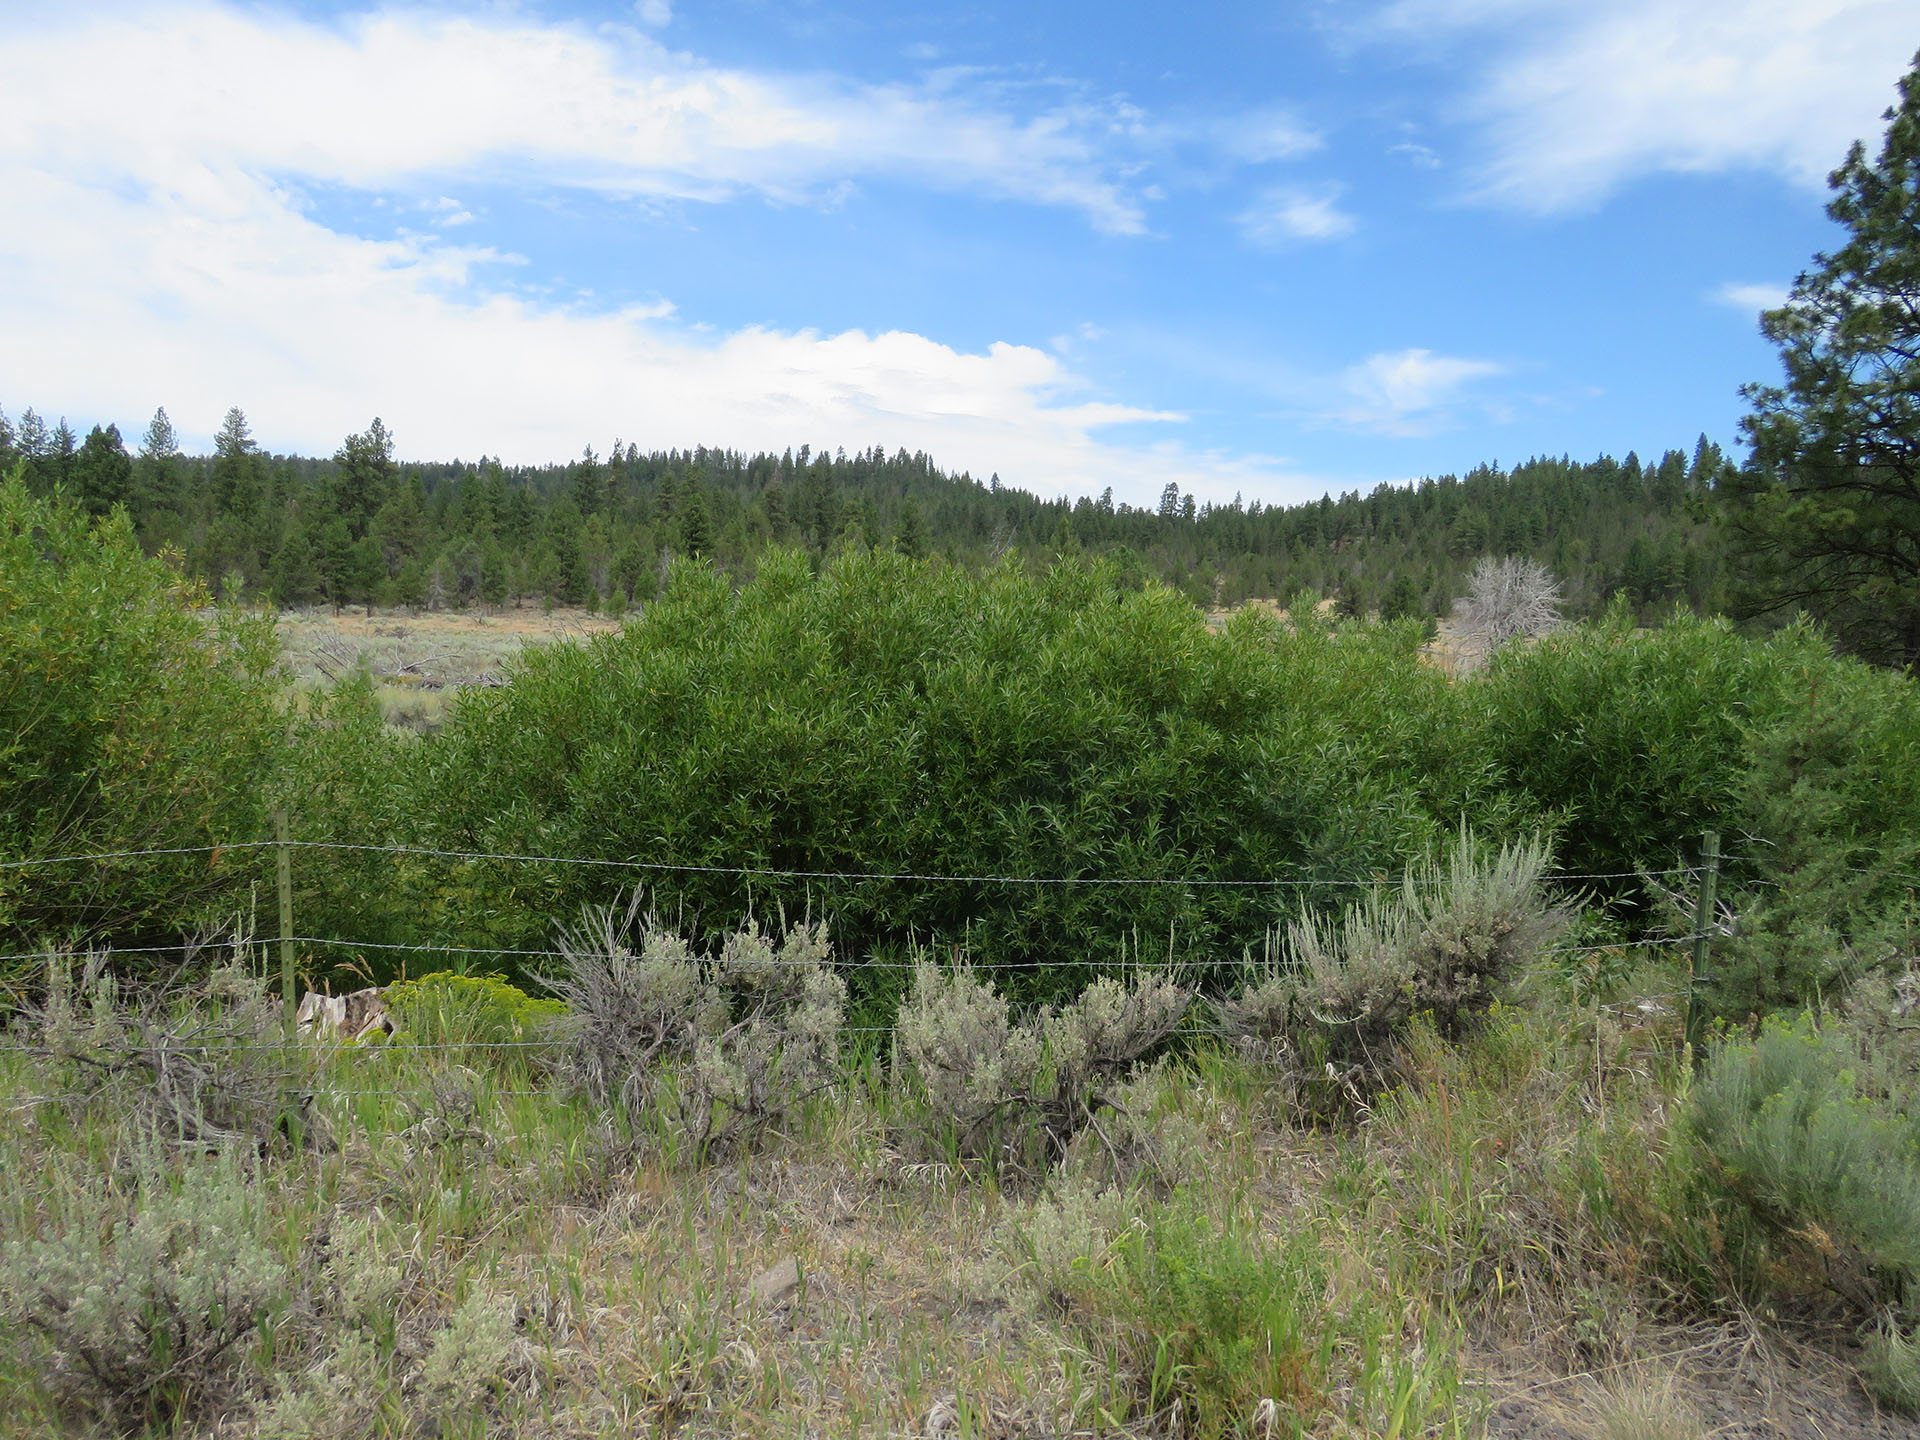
{"type": "Point", "coordinates": [283, 855]}
{"type": "Point", "coordinates": [1702, 921]}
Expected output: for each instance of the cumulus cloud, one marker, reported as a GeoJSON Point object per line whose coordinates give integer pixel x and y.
{"type": "Point", "coordinates": [1286, 213]}
{"type": "Point", "coordinates": [1408, 392]}
{"type": "Point", "coordinates": [1575, 99]}
{"type": "Point", "coordinates": [1751, 297]}
{"type": "Point", "coordinates": [171, 257]}
{"type": "Point", "coordinates": [313, 332]}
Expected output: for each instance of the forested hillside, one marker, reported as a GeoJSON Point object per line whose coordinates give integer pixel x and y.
{"type": "Point", "coordinates": [360, 527]}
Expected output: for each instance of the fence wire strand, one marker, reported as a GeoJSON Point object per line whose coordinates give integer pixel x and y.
{"type": "Point", "coordinates": [775, 873]}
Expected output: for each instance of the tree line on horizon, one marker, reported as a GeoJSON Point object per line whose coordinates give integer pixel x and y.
{"type": "Point", "coordinates": [362, 528]}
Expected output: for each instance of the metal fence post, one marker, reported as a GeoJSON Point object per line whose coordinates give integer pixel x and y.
{"type": "Point", "coordinates": [283, 856]}
{"type": "Point", "coordinates": [1702, 923]}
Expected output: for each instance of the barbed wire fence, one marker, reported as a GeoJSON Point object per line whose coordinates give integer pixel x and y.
{"type": "Point", "coordinates": [1703, 876]}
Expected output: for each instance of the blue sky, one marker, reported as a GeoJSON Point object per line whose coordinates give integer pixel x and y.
{"type": "Point", "coordinates": [1267, 249]}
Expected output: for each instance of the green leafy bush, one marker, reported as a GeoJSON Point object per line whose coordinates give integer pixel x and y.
{"type": "Point", "coordinates": [132, 721]}
{"type": "Point", "coordinates": [1642, 739]}
{"type": "Point", "coordinates": [1831, 795]}
{"type": "Point", "coordinates": [144, 1317]}
{"type": "Point", "coordinates": [898, 717]}
{"type": "Point", "coordinates": [469, 1011]}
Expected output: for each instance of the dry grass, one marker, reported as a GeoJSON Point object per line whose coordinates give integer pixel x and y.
{"type": "Point", "coordinates": [418, 659]}
{"type": "Point", "coordinates": [538, 1269]}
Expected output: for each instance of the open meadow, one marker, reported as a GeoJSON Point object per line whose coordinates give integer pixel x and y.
{"type": "Point", "coordinates": [882, 999]}
{"type": "Point", "coordinates": [415, 657]}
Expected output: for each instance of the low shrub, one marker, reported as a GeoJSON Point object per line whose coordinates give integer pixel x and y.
{"type": "Point", "coordinates": [1018, 1093]}
{"type": "Point", "coordinates": [1446, 943]}
{"type": "Point", "coordinates": [469, 1012]}
{"type": "Point", "coordinates": [141, 1313]}
{"type": "Point", "coordinates": [1145, 1139]}
{"type": "Point", "coordinates": [720, 1049]}
{"type": "Point", "coordinates": [1206, 1320]}
{"type": "Point", "coordinates": [205, 1061]}
{"type": "Point", "coordinates": [1796, 1165]}
{"type": "Point", "coordinates": [1891, 1368]}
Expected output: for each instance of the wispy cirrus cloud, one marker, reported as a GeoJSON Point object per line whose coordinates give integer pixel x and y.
{"type": "Point", "coordinates": [1288, 212]}
{"type": "Point", "coordinates": [396, 98]}
{"type": "Point", "coordinates": [1573, 100]}
{"type": "Point", "coordinates": [1409, 392]}
{"type": "Point", "coordinates": [1750, 297]}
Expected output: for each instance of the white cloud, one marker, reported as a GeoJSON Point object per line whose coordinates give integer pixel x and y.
{"type": "Point", "coordinates": [1408, 392]}
{"type": "Point", "coordinates": [1751, 297]}
{"type": "Point", "coordinates": [1263, 137]}
{"type": "Point", "coordinates": [224, 293]}
{"type": "Point", "coordinates": [654, 12]}
{"type": "Point", "coordinates": [393, 98]}
{"type": "Point", "coordinates": [1288, 213]}
{"type": "Point", "coordinates": [313, 332]}
{"type": "Point", "coordinates": [171, 257]}
{"type": "Point", "coordinates": [1576, 98]}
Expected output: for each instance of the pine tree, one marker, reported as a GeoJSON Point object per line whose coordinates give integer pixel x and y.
{"type": "Point", "coordinates": [59, 461]}
{"type": "Point", "coordinates": [236, 472]}
{"type": "Point", "coordinates": [911, 541]}
{"type": "Point", "coordinates": [363, 477]}
{"type": "Point", "coordinates": [32, 440]}
{"type": "Point", "coordinates": [696, 527]}
{"type": "Point", "coordinates": [1826, 516]}
{"type": "Point", "coordinates": [102, 472]}
{"type": "Point", "coordinates": [157, 472]}
{"type": "Point", "coordinates": [569, 585]}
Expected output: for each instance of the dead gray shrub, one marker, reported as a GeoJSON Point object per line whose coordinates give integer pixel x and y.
{"type": "Point", "coordinates": [1018, 1094]}
{"type": "Point", "coordinates": [1447, 942]}
{"type": "Point", "coordinates": [723, 1049]}
{"type": "Point", "coordinates": [1508, 599]}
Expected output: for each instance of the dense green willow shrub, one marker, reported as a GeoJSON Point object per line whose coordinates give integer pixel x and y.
{"type": "Point", "coordinates": [130, 719]}
{"type": "Point", "coordinates": [1806, 762]}
{"type": "Point", "coordinates": [897, 717]}
{"type": "Point", "coordinates": [1636, 737]}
